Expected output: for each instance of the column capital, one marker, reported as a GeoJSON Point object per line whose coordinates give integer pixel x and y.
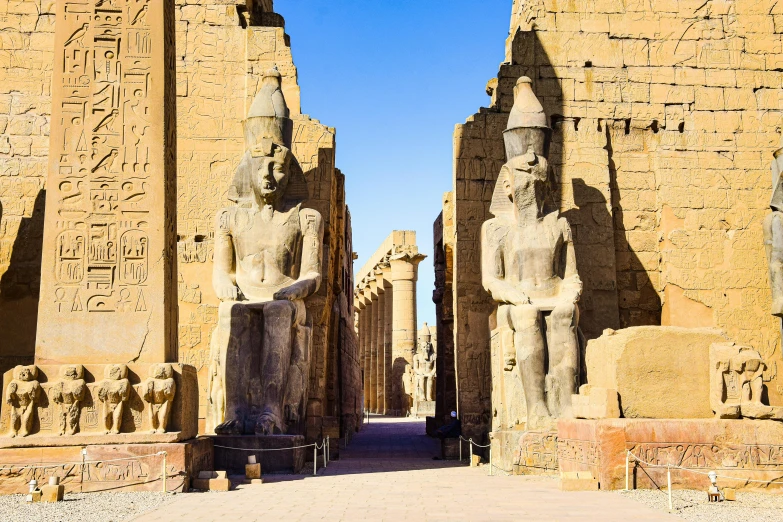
{"type": "Point", "coordinates": [381, 281]}
{"type": "Point", "coordinates": [404, 266]}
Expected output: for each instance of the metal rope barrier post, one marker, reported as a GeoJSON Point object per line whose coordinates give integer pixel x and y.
{"type": "Point", "coordinates": [470, 443]}
{"type": "Point", "coordinates": [328, 449]}
{"type": "Point", "coordinates": [490, 461]}
{"type": "Point", "coordinates": [627, 464]}
{"type": "Point", "coordinates": [669, 483]}
{"type": "Point", "coordinates": [460, 448]}
{"type": "Point", "coordinates": [165, 489]}
{"type": "Point", "coordinates": [323, 445]}
{"type": "Point", "coordinates": [315, 459]}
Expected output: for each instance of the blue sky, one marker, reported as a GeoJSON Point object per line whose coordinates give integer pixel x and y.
{"type": "Point", "coordinates": [394, 77]}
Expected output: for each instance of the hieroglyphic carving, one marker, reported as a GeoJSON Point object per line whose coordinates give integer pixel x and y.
{"type": "Point", "coordinates": [69, 392]}
{"type": "Point", "coordinates": [159, 391]}
{"type": "Point", "coordinates": [584, 452]}
{"type": "Point", "coordinates": [539, 450]}
{"type": "Point", "coordinates": [108, 172]}
{"type": "Point", "coordinates": [22, 396]}
{"type": "Point", "coordinates": [713, 456]}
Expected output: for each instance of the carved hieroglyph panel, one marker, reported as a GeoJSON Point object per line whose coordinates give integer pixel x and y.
{"type": "Point", "coordinates": [108, 234]}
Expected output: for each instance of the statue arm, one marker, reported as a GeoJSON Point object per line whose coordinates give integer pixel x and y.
{"type": "Point", "coordinates": [312, 251]}
{"type": "Point", "coordinates": [223, 272]}
{"type": "Point", "coordinates": [10, 393]}
{"type": "Point", "coordinates": [492, 269]}
{"type": "Point", "coordinates": [572, 284]}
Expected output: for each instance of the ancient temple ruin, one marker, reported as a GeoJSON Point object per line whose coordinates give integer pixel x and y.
{"type": "Point", "coordinates": [385, 301]}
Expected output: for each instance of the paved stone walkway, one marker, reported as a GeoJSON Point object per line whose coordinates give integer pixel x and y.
{"type": "Point", "coordinates": [387, 473]}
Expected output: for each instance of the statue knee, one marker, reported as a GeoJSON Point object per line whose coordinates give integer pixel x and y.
{"type": "Point", "coordinates": [564, 316]}
{"type": "Point", "coordinates": [524, 317]}
{"type": "Point", "coordinates": [280, 309]}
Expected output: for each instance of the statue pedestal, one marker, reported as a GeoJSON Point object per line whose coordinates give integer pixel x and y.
{"type": "Point", "coordinates": [281, 461]}
{"type": "Point", "coordinates": [745, 449]}
{"type": "Point", "coordinates": [184, 460]}
{"type": "Point", "coordinates": [424, 409]}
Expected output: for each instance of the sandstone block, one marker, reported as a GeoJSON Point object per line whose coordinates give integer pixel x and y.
{"type": "Point", "coordinates": [659, 372]}
{"type": "Point", "coordinates": [594, 402]}
{"type": "Point", "coordinates": [729, 494]}
{"type": "Point", "coordinates": [253, 471]}
{"type": "Point", "coordinates": [52, 493]}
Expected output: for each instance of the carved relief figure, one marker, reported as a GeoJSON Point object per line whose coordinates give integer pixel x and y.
{"type": "Point", "coordinates": [529, 267]}
{"type": "Point", "coordinates": [267, 261]}
{"type": "Point", "coordinates": [22, 396]}
{"type": "Point", "coordinates": [114, 392]}
{"type": "Point", "coordinates": [216, 394]}
{"type": "Point", "coordinates": [424, 367]}
{"type": "Point", "coordinates": [773, 234]}
{"type": "Point", "coordinates": [69, 392]}
{"type": "Point", "coordinates": [737, 383]}
{"type": "Point", "coordinates": [159, 391]}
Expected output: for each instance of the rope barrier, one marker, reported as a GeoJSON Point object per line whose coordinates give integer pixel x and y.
{"type": "Point", "coordinates": [674, 466]}
{"type": "Point", "coordinates": [269, 449]}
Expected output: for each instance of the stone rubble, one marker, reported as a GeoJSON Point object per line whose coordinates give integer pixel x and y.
{"type": "Point", "coordinates": [693, 505]}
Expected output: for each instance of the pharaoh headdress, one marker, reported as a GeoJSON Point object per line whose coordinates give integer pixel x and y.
{"type": "Point", "coordinates": [527, 129]}
{"type": "Point", "coordinates": [268, 131]}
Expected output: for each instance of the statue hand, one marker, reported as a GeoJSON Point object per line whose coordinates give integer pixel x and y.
{"type": "Point", "coordinates": [509, 361]}
{"type": "Point", "coordinates": [516, 297]}
{"type": "Point", "coordinates": [288, 293]}
{"type": "Point", "coordinates": [227, 292]}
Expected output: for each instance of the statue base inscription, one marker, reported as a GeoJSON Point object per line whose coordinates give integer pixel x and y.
{"type": "Point", "coordinates": [286, 460]}
{"type": "Point", "coordinates": [183, 460]}
{"type": "Point", "coordinates": [743, 450]}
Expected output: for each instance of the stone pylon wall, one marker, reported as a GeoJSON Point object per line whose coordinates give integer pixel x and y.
{"type": "Point", "coordinates": [665, 117]}
{"type": "Point", "coordinates": [385, 300]}
{"type": "Point", "coordinates": [220, 56]}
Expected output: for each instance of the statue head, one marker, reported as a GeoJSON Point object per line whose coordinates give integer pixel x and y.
{"type": "Point", "coordinates": [72, 372]}
{"type": "Point", "coordinates": [116, 372]}
{"type": "Point", "coordinates": [161, 371]}
{"type": "Point", "coordinates": [525, 181]}
{"type": "Point", "coordinates": [26, 373]}
{"type": "Point", "coordinates": [267, 170]}
{"type": "Point", "coordinates": [426, 334]}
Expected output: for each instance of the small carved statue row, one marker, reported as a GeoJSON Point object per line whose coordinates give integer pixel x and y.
{"type": "Point", "coordinates": [24, 393]}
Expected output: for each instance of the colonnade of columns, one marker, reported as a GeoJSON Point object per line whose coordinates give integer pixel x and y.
{"type": "Point", "coordinates": [385, 301]}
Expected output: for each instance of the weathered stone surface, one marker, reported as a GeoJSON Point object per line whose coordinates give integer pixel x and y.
{"type": "Point", "coordinates": [183, 460]}
{"type": "Point", "coordinates": [263, 338]}
{"type": "Point", "coordinates": [283, 460]}
{"type": "Point", "coordinates": [54, 410]}
{"type": "Point", "coordinates": [108, 271]}
{"type": "Point", "coordinates": [737, 383]}
{"type": "Point", "coordinates": [529, 268]}
{"type": "Point", "coordinates": [594, 402]}
{"type": "Point", "coordinates": [659, 372]}
{"type": "Point", "coordinates": [739, 449]}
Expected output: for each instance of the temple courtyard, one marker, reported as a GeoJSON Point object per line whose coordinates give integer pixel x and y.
{"type": "Point", "coordinates": [388, 473]}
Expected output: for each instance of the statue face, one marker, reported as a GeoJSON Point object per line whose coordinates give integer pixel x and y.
{"type": "Point", "coordinates": [117, 372]}
{"type": "Point", "coordinates": [270, 177]}
{"type": "Point", "coordinates": [25, 373]}
{"type": "Point", "coordinates": [71, 372]}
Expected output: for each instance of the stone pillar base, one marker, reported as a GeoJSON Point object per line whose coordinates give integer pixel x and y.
{"type": "Point", "coordinates": [283, 461]}
{"type": "Point", "coordinates": [423, 409]}
{"type": "Point", "coordinates": [184, 460]}
{"type": "Point", "coordinates": [741, 449]}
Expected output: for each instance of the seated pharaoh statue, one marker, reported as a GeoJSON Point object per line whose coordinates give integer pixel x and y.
{"type": "Point", "coordinates": [529, 267]}
{"type": "Point", "coordinates": [267, 261]}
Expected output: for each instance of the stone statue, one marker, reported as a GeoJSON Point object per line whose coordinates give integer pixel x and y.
{"type": "Point", "coordinates": [267, 261]}
{"type": "Point", "coordinates": [69, 392]}
{"type": "Point", "coordinates": [773, 234]}
{"type": "Point", "coordinates": [216, 394]}
{"type": "Point", "coordinates": [159, 391]}
{"type": "Point", "coordinates": [529, 267]}
{"type": "Point", "coordinates": [22, 395]}
{"type": "Point", "coordinates": [114, 392]}
{"type": "Point", "coordinates": [424, 367]}
{"type": "Point", "coordinates": [737, 383]}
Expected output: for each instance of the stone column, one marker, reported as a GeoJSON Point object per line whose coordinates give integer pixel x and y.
{"type": "Point", "coordinates": [379, 341]}
{"type": "Point", "coordinates": [366, 321]}
{"type": "Point", "coordinates": [404, 268]}
{"type": "Point", "coordinates": [373, 347]}
{"type": "Point", "coordinates": [359, 306]}
{"type": "Point", "coordinates": [387, 341]}
{"type": "Point", "coordinates": [109, 272]}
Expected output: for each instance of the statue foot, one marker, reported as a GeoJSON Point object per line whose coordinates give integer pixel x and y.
{"type": "Point", "coordinates": [12, 434]}
{"type": "Point", "coordinates": [231, 427]}
{"type": "Point", "coordinates": [756, 411]}
{"type": "Point", "coordinates": [728, 412]}
{"type": "Point", "coordinates": [539, 418]}
{"type": "Point", "coordinates": [267, 424]}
